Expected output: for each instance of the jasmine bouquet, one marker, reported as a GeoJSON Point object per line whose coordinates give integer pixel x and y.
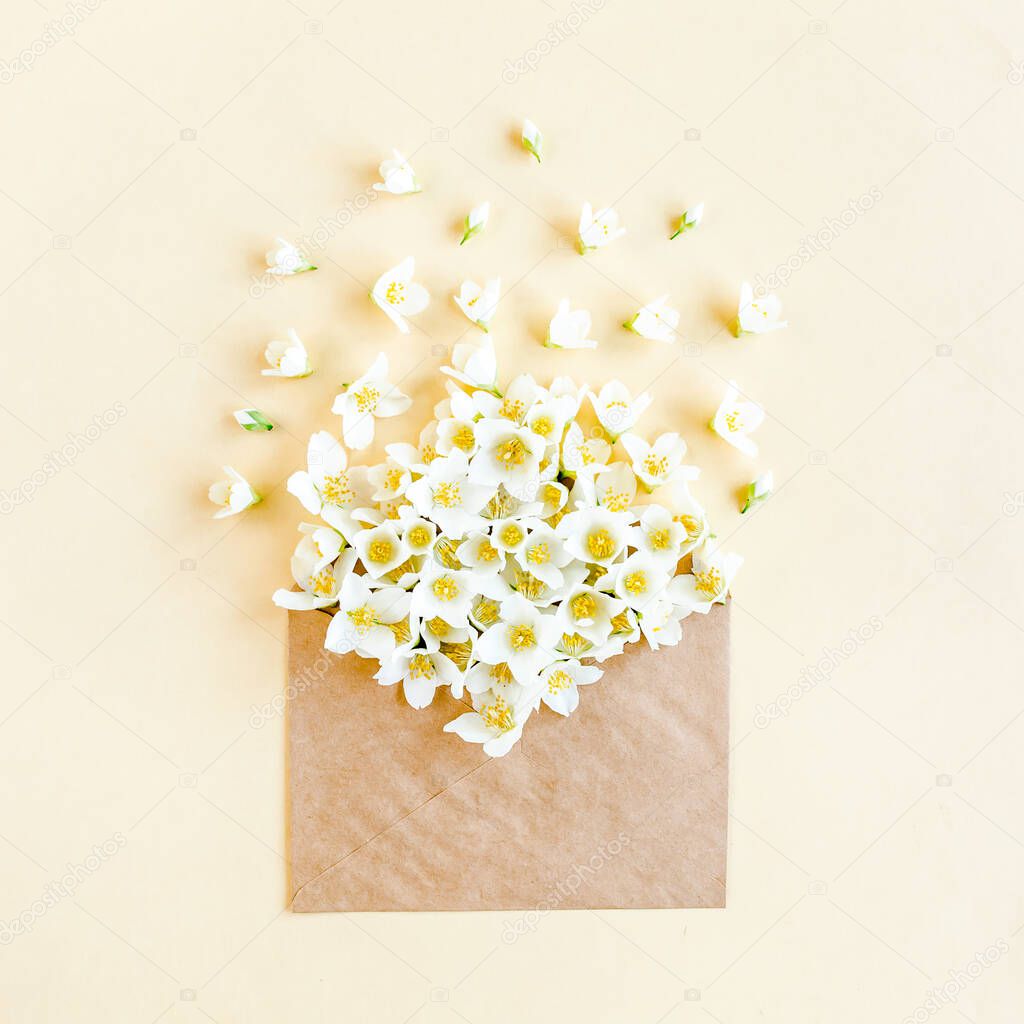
{"type": "Point", "coordinates": [508, 553]}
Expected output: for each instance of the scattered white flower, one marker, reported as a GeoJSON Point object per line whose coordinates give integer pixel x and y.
{"type": "Point", "coordinates": [656, 321]}
{"type": "Point", "coordinates": [370, 397]}
{"type": "Point", "coordinates": [287, 358]}
{"type": "Point", "coordinates": [373, 623]}
{"type": "Point", "coordinates": [690, 219]}
{"type": "Point", "coordinates": [735, 420]}
{"type": "Point", "coordinates": [479, 304]}
{"type": "Point", "coordinates": [315, 571]}
{"type": "Point", "coordinates": [524, 640]}
{"type": "Point", "coordinates": [252, 419]}
{"type": "Point", "coordinates": [598, 229]}
{"type": "Point", "coordinates": [533, 141]}
{"type": "Point", "coordinates": [398, 295]}
{"type": "Point", "coordinates": [617, 410]}
{"type": "Point", "coordinates": [233, 495]}
{"type": "Point", "coordinates": [475, 365]}
{"type": "Point", "coordinates": [476, 221]}
{"type": "Point", "coordinates": [759, 490]}
{"type": "Point", "coordinates": [449, 496]}
{"type": "Point", "coordinates": [758, 316]}
{"type": "Point", "coordinates": [569, 328]}
{"type": "Point", "coordinates": [286, 260]}
{"type": "Point", "coordinates": [380, 550]}
{"type": "Point", "coordinates": [397, 176]}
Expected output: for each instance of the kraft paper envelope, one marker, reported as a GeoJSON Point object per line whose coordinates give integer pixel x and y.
{"type": "Point", "coordinates": [621, 805]}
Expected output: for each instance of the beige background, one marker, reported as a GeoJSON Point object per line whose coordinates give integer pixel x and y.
{"type": "Point", "coordinates": [877, 836]}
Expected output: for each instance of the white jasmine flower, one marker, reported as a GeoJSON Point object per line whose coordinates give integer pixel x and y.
{"type": "Point", "coordinates": [543, 555]}
{"type": "Point", "coordinates": [497, 722]}
{"type": "Point", "coordinates": [709, 581]}
{"type": "Point", "coordinates": [389, 479]}
{"type": "Point", "coordinates": [569, 328]}
{"type": "Point", "coordinates": [588, 613]}
{"type": "Point", "coordinates": [476, 221]}
{"type": "Point", "coordinates": [370, 397]}
{"type": "Point", "coordinates": [448, 496]}
{"type": "Point", "coordinates": [613, 488]}
{"type": "Point", "coordinates": [320, 579]}
{"type": "Point", "coordinates": [758, 316]}
{"type": "Point", "coordinates": [398, 295]}
{"type": "Point", "coordinates": [475, 365]}
{"type": "Point", "coordinates": [657, 321]}
{"type": "Point", "coordinates": [373, 623]}
{"type": "Point", "coordinates": [233, 495]}
{"type": "Point", "coordinates": [597, 230]}
{"type": "Point", "coordinates": [285, 260]}
{"type": "Point", "coordinates": [478, 553]}
{"type": "Point", "coordinates": [617, 411]}
{"type": "Point", "coordinates": [660, 623]}
{"type": "Point", "coordinates": [533, 141]}
{"type": "Point", "coordinates": [252, 419]}
{"type": "Point", "coordinates": [397, 175]}
{"type": "Point", "coordinates": [595, 535]}
{"type": "Point", "coordinates": [287, 358]}
{"type": "Point", "coordinates": [509, 535]}
{"type": "Point", "coordinates": [583, 456]}
{"type": "Point", "coordinates": [637, 580]}
{"type": "Point", "coordinates": [380, 549]}
{"type": "Point", "coordinates": [690, 219]}
{"type": "Point", "coordinates": [660, 535]}
{"type": "Point", "coordinates": [549, 416]}
{"type": "Point", "coordinates": [524, 640]}
{"type": "Point", "coordinates": [443, 593]}
{"type": "Point", "coordinates": [327, 488]}
{"type": "Point", "coordinates": [479, 304]}
{"type": "Point", "coordinates": [759, 490]}
{"type": "Point", "coordinates": [560, 682]}
{"type": "Point", "coordinates": [418, 534]}
{"type": "Point", "coordinates": [508, 455]}
{"type": "Point", "coordinates": [659, 463]}
{"type": "Point", "coordinates": [734, 420]}
{"type": "Point", "coordinates": [421, 673]}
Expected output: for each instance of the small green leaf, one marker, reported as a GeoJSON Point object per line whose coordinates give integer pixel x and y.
{"type": "Point", "coordinates": [252, 419]}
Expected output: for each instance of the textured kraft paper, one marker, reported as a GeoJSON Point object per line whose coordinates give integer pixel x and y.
{"type": "Point", "coordinates": [621, 805]}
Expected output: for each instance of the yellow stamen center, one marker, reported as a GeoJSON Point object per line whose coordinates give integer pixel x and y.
{"type": "Point", "coordinates": [322, 582]}
{"type": "Point", "coordinates": [708, 582]}
{"type": "Point", "coordinates": [418, 536]}
{"type": "Point", "coordinates": [601, 544]}
{"type": "Point", "coordinates": [395, 294]}
{"type": "Point", "coordinates": [381, 551]}
{"type": "Point", "coordinates": [656, 465]}
{"type": "Point", "coordinates": [464, 438]}
{"type": "Point", "coordinates": [512, 409]}
{"type": "Point", "coordinates": [421, 667]}
{"type": "Point", "coordinates": [636, 583]}
{"type": "Point", "coordinates": [522, 638]}
{"type": "Point", "coordinates": [616, 501]}
{"type": "Point", "coordinates": [542, 425]}
{"type": "Point", "coordinates": [486, 612]}
{"type": "Point", "coordinates": [366, 398]}
{"type": "Point", "coordinates": [486, 551]}
{"type": "Point", "coordinates": [438, 627]}
{"type": "Point", "coordinates": [335, 490]}
{"type": "Point", "coordinates": [659, 540]}
{"type": "Point", "coordinates": [498, 715]}
{"type": "Point", "coordinates": [363, 618]}
{"type": "Point", "coordinates": [445, 588]}
{"type": "Point", "coordinates": [559, 681]}
{"type": "Point", "coordinates": [539, 554]}
{"type": "Point", "coordinates": [511, 535]}
{"type": "Point", "coordinates": [512, 452]}
{"type": "Point", "coordinates": [583, 606]}
{"type": "Point", "coordinates": [448, 495]}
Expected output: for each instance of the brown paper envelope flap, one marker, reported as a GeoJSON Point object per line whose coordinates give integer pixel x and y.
{"type": "Point", "coordinates": [641, 765]}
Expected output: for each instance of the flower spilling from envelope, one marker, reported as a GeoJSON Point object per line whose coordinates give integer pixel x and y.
{"type": "Point", "coordinates": [528, 536]}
